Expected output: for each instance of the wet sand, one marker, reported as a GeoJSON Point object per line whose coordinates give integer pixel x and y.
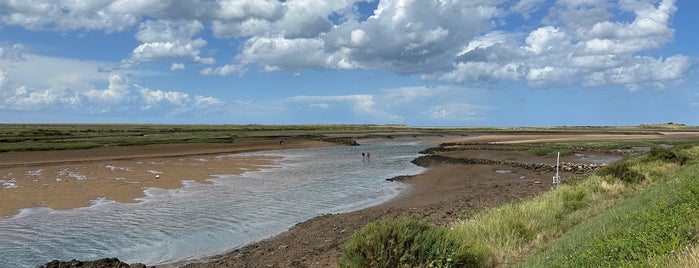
{"type": "Point", "coordinates": [75, 178]}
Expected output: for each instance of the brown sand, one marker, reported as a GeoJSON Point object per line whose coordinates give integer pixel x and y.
{"type": "Point", "coordinates": [74, 178]}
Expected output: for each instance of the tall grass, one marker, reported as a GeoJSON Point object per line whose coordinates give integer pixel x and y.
{"type": "Point", "coordinates": [654, 228]}
{"type": "Point", "coordinates": [513, 231]}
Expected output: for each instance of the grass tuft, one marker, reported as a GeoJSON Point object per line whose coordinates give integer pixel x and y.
{"type": "Point", "coordinates": [621, 171]}
{"type": "Point", "coordinates": [408, 242]}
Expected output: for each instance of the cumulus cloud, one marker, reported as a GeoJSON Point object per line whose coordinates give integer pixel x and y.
{"type": "Point", "coordinates": [115, 92]}
{"type": "Point", "coordinates": [594, 42]}
{"type": "Point", "coordinates": [167, 39]}
{"type": "Point", "coordinates": [65, 15]}
{"type": "Point", "coordinates": [584, 43]}
{"type": "Point", "coordinates": [120, 95]}
{"type": "Point", "coordinates": [22, 97]}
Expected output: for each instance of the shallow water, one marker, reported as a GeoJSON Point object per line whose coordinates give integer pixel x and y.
{"type": "Point", "coordinates": [199, 220]}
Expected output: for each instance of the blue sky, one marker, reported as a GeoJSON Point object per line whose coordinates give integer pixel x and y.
{"type": "Point", "coordinates": [414, 62]}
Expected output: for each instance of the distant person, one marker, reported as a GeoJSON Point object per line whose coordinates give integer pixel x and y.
{"type": "Point", "coordinates": [368, 155]}
{"type": "Point", "coordinates": [363, 156]}
{"type": "Point", "coordinates": [281, 143]}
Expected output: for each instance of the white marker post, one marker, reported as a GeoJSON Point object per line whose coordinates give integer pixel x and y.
{"type": "Point", "coordinates": [557, 179]}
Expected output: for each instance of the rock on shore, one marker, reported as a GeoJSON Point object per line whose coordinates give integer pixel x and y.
{"type": "Point", "coordinates": [101, 263]}
{"type": "Point", "coordinates": [430, 160]}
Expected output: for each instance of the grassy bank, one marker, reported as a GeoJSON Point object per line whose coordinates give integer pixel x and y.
{"type": "Point", "coordinates": [33, 137]}
{"type": "Point", "coordinates": [641, 212]}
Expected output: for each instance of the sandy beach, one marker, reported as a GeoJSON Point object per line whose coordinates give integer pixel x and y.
{"type": "Point", "coordinates": [75, 178]}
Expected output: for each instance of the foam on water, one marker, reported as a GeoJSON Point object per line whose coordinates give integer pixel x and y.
{"type": "Point", "coordinates": [204, 219]}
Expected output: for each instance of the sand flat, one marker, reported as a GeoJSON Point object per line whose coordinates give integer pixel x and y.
{"type": "Point", "coordinates": [75, 178]}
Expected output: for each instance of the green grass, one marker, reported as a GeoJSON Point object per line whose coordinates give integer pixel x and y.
{"type": "Point", "coordinates": [32, 137]}
{"type": "Point", "coordinates": [649, 229]}
{"type": "Point", "coordinates": [549, 149]}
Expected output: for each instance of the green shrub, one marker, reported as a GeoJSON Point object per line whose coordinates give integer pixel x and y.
{"type": "Point", "coordinates": [667, 155]}
{"type": "Point", "coordinates": [407, 242]}
{"type": "Point", "coordinates": [621, 171]}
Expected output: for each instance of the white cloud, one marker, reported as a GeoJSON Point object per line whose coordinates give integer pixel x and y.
{"type": "Point", "coordinates": [360, 103]}
{"type": "Point", "coordinates": [546, 39]}
{"type": "Point", "coordinates": [241, 9]}
{"type": "Point", "coordinates": [321, 106]}
{"type": "Point", "coordinates": [120, 95]}
{"type": "Point", "coordinates": [152, 97]}
{"type": "Point", "coordinates": [200, 60]}
{"type": "Point", "coordinates": [224, 70]}
{"type": "Point", "coordinates": [202, 101]}
{"type": "Point", "coordinates": [550, 76]}
{"type": "Point", "coordinates": [526, 7]}
{"type": "Point", "coordinates": [73, 73]}
{"type": "Point", "coordinates": [177, 66]}
{"type": "Point", "coordinates": [22, 97]}
{"type": "Point", "coordinates": [135, 6]}
{"type": "Point", "coordinates": [455, 111]}
{"type": "Point", "coordinates": [12, 53]}
{"type": "Point", "coordinates": [582, 44]}
{"type": "Point", "coordinates": [65, 15]}
{"type": "Point", "coordinates": [593, 42]}
{"type": "Point", "coordinates": [650, 70]}
{"type": "Point", "coordinates": [280, 53]}
{"type": "Point", "coordinates": [437, 104]}
{"type": "Point", "coordinates": [116, 91]}
{"type": "Point", "coordinates": [167, 39]}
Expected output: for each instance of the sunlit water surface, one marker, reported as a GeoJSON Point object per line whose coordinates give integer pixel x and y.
{"type": "Point", "coordinates": [199, 220]}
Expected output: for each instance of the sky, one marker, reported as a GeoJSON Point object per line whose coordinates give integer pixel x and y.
{"type": "Point", "coordinates": [413, 62]}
